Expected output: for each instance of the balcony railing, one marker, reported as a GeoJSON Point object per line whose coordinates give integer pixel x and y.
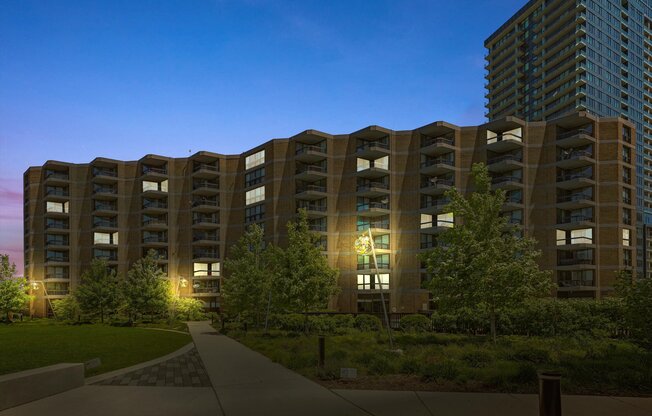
{"type": "Point", "coordinates": [575, 218]}
{"type": "Point", "coordinates": [57, 292]}
{"type": "Point", "coordinates": [107, 257]}
{"type": "Point", "coordinates": [57, 192]}
{"type": "Point", "coordinates": [150, 169]}
{"type": "Point", "coordinates": [574, 240]}
{"type": "Point", "coordinates": [56, 276]}
{"type": "Point", "coordinates": [505, 158]}
{"type": "Point", "coordinates": [575, 154]}
{"type": "Point", "coordinates": [105, 207]}
{"type": "Point", "coordinates": [205, 237]}
{"type": "Point", "coordinates": [429, 141]}
{"type": "Point", "coordinates": [155, 239]}
{"type": "Point", "coordinates": [572, 133]}
{"type": "Point", "coordinates": [308, 148]}
{"type": "Point", "coordinates": [313, 207]}
{"type": "Point", "coordinates": [437, 161]}
{"type": "Point", "coordinates": [573, 176]}
{"type": "Point", "coordinates": [574, 262]}
{"type": "Point", "coordinates": [434, 204]}
{"type": "Point", "coordinates": [58, 258]}
{"type": "Point", "coordinates": [317, 227]}
{"type": "Point", "coordinates": [576, 283]}
{"type": "Point", "coordinates": [437, 182]}
{"type": "Point", "coordinates": [205, 166]}
{"type": "Point", "coordinates": [151, 204]}
{"type": "Point", "coordinates": [55, 243]}
{"type": "Point", "coordinates": [376, 224]}
{"type": "Point", "coordinates": [371, 185]}
{"type": "Point", "coordinates": [574, 197]}
{"type": "Point", "coordinates": [205, 220]}
{"type": "Point", "coordinates": [369, 205]}
{"type": "Point", "coordinates": [205, 184]}
{"type": "Point", "coordinates": [105, 190]}
{"type": "Point", "coordinates": [502, 179]}
{"type": "Point", "coordinates": [207, 202]}
{"type": "Point", "coordinates": [155, 221]}
{"type": "Point", "coordinates": [206, 290]}
{"type": "Point", "coordinates": [205, 254]}
{"type": "Point", "coordinates": [369, 145]}
{"type": "Point", "coordinates": [369, 266]}
{"type": "Point", "coordinates": [57, 225]}
{"type": "Point", "coordinates": [105, 172]}
{"type": "Point", "coordinates": [58, 175]}
{"type": "Point", "coordinates": [109, 224]}
{"type": "Point", "coordinates": [311, 188]}
{"type": "Point", "coordinates": [437, 223]}
{"type": "Point", "coordinates": [311, 169]}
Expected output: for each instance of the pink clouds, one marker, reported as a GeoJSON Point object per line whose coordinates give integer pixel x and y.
{"type": "Point", "coordinates": [11, 222]}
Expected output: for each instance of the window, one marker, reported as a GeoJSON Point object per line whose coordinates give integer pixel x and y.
{"type": "Point", "coordinates": [254, 213]}
{"type": "Point", "coordinates": [382, 163]}
{"type": "Point", "coordinates": [581, 236]}
{"type": "Point", "coordinates": [363, 164]}
{"type": "Point", "coordinates": [104, 254]}
{"type": "Point", "coordinates": [206, 269]}
{"type": "Point", "coordinates": [445, 220]}
{"type": "Point", "coordinates": [254, 160]}
{"type": "Point", "coordinates": [627, 154]}
{"type": "Point", "coordinates": [627, 196]}
{"type": "Point", "coordinates": [626, 237]}
{"type": "Point", "coordinates": [627, 216]}
{"type": "Point", "coordinates": [627, 258]}
{"type": "Point", "coordinates": [155, 186]}
{"type": "Point", "coordinates": [105, 238]}
{"type": "Point", "coordinates": [61, 207]}
{"type": "Point", "coordinates": [255, 195]}
{"type": "Point", "coordinates": [254, 177]}
{"type": "Point", "coordinates": [627, 175]}
{"type": "Point", "coordinates": [369, 281]}
{"type": "Point", "coordinates": [366, 261]}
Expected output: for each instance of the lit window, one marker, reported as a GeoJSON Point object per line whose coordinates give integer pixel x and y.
{"type": "Point", "coordinates": [363, 164]}
{"type": "Point", "coordinates": [369, 281]}
{"type": "Point", "coordinates": [155, 186]}
{"type": "Point", "coordinates": [445, 220]}
{"type": "Point", "coordinates": [255, 159]}
{"type": "Point", "coordinates": [583, 236]}
{"type": "Point", "coordinates": [57, 207]}
{"type": "Point", "coordinates": [626, 237]}
{"type": "Point", "coordinates": [255, 195]}
{"type": "Point", "coordinates": [105, 238]}
{"type": "Point", "coordinates": [206, 269]}
{"type": "Point", "coordinates": [382, 163]}
{"type": "Point", "coordinates": [426, 220]}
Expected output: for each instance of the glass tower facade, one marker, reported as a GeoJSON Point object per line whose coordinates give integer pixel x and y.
{"type": "Point", "coordinates": [554, 57]}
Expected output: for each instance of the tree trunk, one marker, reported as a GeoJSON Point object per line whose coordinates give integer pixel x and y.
{"type": "Point", "coordinates": [269, 305]}
{"type": "Point", "coordinates": [493, 326]}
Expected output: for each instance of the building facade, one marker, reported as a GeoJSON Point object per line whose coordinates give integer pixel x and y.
{"type": "Point", "coordinates": [570, 184]}
{"type": "Point", "coordinates": [555, 57]}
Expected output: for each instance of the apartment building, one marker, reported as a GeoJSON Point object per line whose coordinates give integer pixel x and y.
{"type": "Point", "coordinates": [555, 57]}
{"type": "Point", "coordinates": [569, 183]}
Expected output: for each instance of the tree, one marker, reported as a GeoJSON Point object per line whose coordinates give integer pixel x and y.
{"type": "Point", "coordinates": [13, 290]}
{"type": "Point", "coordinates": [305, 280]}
{"type": "Point", "coordinates": [188, 309]}
{"type": "Point", "coordinates": [247, 288]}
{"type": "Point", "coordinates": [99, 292]}
{"type": "Point", "coordinates": [66, 309]}
{"type": "Point", "coordinates": [482, 263]}
{"type": "Point", "coordinates": [146, 290]}
{"type": "Point", "coordinates": [637, 298]}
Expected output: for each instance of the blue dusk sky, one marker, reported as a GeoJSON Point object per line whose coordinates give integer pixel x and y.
{"type": "Point", "coordinates": [121, 79]}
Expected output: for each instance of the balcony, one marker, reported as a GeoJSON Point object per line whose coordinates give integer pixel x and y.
{"type": "Point", "coordinates": [436, 186]}
{"type": "Point", "coordinates": [373, 189]}
{"type": "Point", "coordinates": [205, 222]}
{"type": "Point", "coordinates": [437, 146]}
{"type": "Point", "coordinates": [205, 170]}
{"type": "Point", "coordinates": [372, 172]}
{"type": "Point", "coordinates": [105, 225]}
{"type": "Point", "coordinates": [506, 142]}
{"type": "Point", "coordinates": [56, 178]}
{"type": "Point", "coordinates": [507, 182]}
{"type": "Point", "coordinates": [155, 206]}
{"type": "Point", "coordinates": [205, 291]}
{"type": "Point", "coordinates": [205, 205]}
{"type": "Point", "coordinates": [505, 163]}
{"type": "Point", "coordinates": [107, 257]}
{"type": "Point", "coordinates": [575, 159]}
{"type": "Point", "coordinates": [438, 166]}
{"type": "Point", "coordinates": [57, 259]}
{"type": "Point", "coordinates": [60, 244]}
{"type": "Point", "coordinates": [310, 154]}
{"type": "Point", "coordinates": [105, 175]}
{"type": "Point", "coordinates": [372, 150]}
{"type": "Point", "coordinates": [572, 285]}
{"type": "Point", "coordinates": [434, 207]}
{"type": "Point", "coordinates": [155, 224]}
{"type": "Point", "coordinates": [311, 192]}
{"type": "Point", "coordinates": [57, 278]}
{"type": "Point", "coordinates": [106, 209]}
{"type": "Point", "coordinates": [575, 201]}
{"type": "Point", "coordinates": [373, 209]}
{"type": "Point", "coordinates": [377, 227]}
{"type": "Point", "coordinates": [105, 193]}
{"type": "Point", "coordinates": [371, 267]}
{"type": "Point", "coordinates": [318, 228]}
{"type": "Point", "coordinates": [205, 255]}
{"type": "Point", "coordinates": [57, 293]}
{"type": "Point", "coordinates": [575, 138]}
{"type": "Point", "coordinates": [154, 173]}
{"type": "Point", "coordinates": [576, 243]}
{"type": "Point", "coordinates": [57, 227]}
{"type": "Point", "coordinates": [575, 263]}
{"type": "Point", "coordinates": [575, 180]}
{"type": "Point", "coordinates": [155, 241]}
{"type": "Point", "coordinates": [311, 173]}
{"type": "Point", "coordinates": [57, 195]}
{"type": "Point", "coordinates": [205, 188]}
{"type": "Point", "coordinates": [314, 210]}
{"type": "Point", "coordinates": [435, 226]}
{"type": "Point", "coordinates": [205, 239]}
{"type": "Point", "coordinates": [575, 221]}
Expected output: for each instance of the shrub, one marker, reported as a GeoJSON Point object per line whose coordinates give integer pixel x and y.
{"type": "Point", "coordinates": [66, 309]}
{"type": "Point", "coordinates": [525, 374]}
{"type": "Point", "coordinates": [444, 370]}
{"type": "Point", "coordinates": [344, 321]}
{"type": "Point", "coordinates": [322, 324]}
{"type": "Point", "coordinates": [188, 309]}
{"type": "Point", "coordinates": [291, 322]}
{"type": "Point", "coordinates": [368, 323]}
{"type": "Point", "coordinates": [415, 323]}
{"type": "Point", "coordinates": [410, 365]}
{"type": "Point", "coordinates": [532, 354]}
{"type": "Point", "coordinates": [477, 358]}
{"type": "Point", "coordinates": [381, 364]}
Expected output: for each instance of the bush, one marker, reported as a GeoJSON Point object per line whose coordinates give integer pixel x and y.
{"type": "Point", "coordinates": [410, 365]}
{"type": "Point", "coordinates": [188, 309]}
{"type": "Point", "coordinates": [66, 309]}
{"type": "Point", "coordinates": [343, 322]}
{"type": "Point", "coordinates": [290, 322]}
{"type": "Point", "coordinates": [445, 370]}
{"type": "Point", "coordinates": [477, 358]}
{"type": "Point", "coordinates": [415, 323]}
{"type": "Point", "coordinates": [322, 324]}
{"type": "Point", "coordinates": [526, 374]}
{"type": "Point", "coordinates": [381, 364]}
{"type": "Point", "coordinates": [368, 323]}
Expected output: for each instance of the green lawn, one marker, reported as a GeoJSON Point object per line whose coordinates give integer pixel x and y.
{"type": "Point", "coordinates": [446, 362]}
{"type": "Point", "coordinates": [36, 344]}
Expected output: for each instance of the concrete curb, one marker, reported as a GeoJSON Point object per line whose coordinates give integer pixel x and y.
{"type": "Point", "coordinates": [111, 374]}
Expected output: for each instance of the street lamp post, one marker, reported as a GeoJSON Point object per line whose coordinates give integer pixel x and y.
{"type": "Point", "coordinates": [35, 285]}
{"type": "Point", "coordinates": [365, 245]}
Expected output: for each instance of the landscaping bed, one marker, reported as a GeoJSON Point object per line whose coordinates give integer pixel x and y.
{"type": "Point", "coordinates": [456, 362]}
{"type": "Point", "coordinates": [27, 345]}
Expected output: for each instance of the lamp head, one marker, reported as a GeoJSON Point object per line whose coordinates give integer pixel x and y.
{"type": "Point", "coordinates": [362, 245]}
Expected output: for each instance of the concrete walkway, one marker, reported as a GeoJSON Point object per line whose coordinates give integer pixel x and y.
{"type": "Point", "coordinates": [245, 382]}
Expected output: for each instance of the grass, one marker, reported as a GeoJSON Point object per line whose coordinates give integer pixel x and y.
{"type": "Point", "coordinates": [448, 362]}
{"type": "Point", "coordinates": [35, 344]}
